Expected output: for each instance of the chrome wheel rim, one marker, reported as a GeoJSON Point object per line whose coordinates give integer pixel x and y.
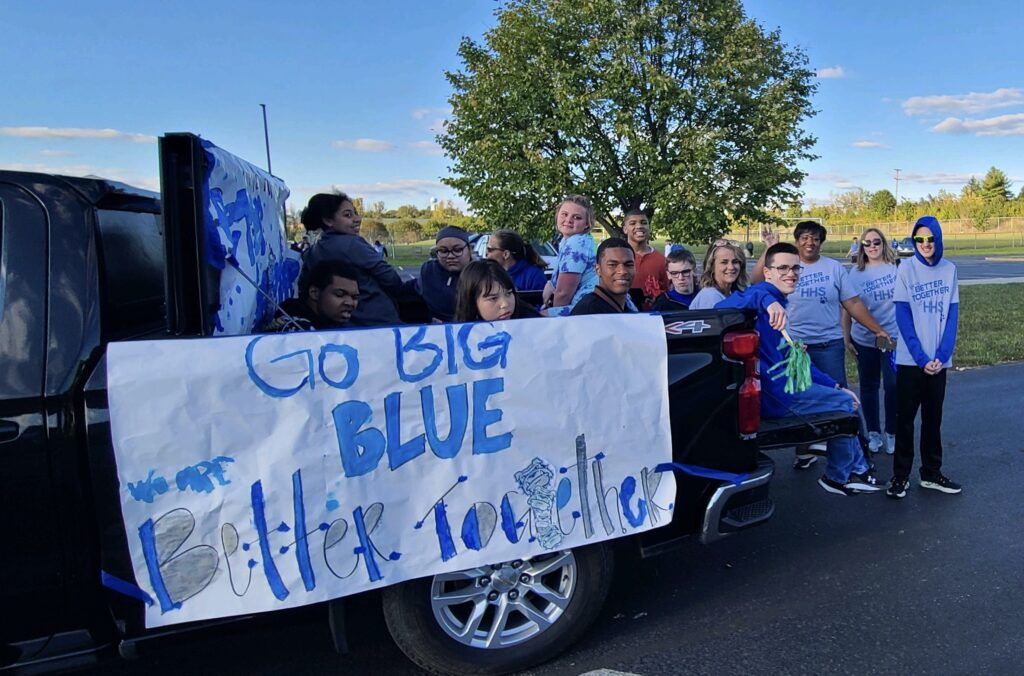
{"type": "Point", "coordinates": [504, 604]}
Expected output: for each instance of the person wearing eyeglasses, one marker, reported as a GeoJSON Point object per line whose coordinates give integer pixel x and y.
{"type": "Point", "coordinates": [438, 282]}
{"type": "Point", "coordinates": [725, 272]}
{"type": "Point", "coordinates": [874, 277]}
{"type": "Point", "coordinates": [519, 259]}
{"type": "Point", "coordinates": [335, 216]}
{"type": "Point", "coordinates": [814, 310]}
{"type": "Point", "coordinates": [683, 282]}
{"type": "Point", "coordinates": [927, 300]}
{"type": "Point", "coordinates": [847, 471]}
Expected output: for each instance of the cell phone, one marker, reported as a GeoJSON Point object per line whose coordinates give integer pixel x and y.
{"type": "Point", "coordinates": [885, 344]}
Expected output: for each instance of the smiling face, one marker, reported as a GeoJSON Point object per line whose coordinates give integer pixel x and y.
{"type": "Point", "coordinates": [681, 276]}
{"type": "Point", "coordinates": [874, 245]}
{"type": "Point", "coordinates": [571, 219]}
{"type": "Point", "coordinates": [638, 230]}
{"type": "Point", "coordinates": [726, 268]}
{"type": "Point", "coordinates": [783, 272]}
{"type": "Point", "coordinates": [345, 220]}
{"type": "Point", "coordinates": [337, 301]}
{"type": "Point", "coordinates": [616, 269]}
{"type": "Point", "coordinates": [809, 244]}
{"type": "Point", "coordinates": [925, 248]}
{"type": "Point", "coordinates": [496, 303]}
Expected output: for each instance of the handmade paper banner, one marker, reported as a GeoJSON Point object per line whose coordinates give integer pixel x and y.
{"type": "Point", "coordinates": [243, 220]}
{"type": "Point", "coordinates": [265, 472]}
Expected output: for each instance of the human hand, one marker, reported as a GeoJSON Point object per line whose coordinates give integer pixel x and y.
{"type": "Point", "coordinates": [933, 367]}
{"type": "Point", "coordinates": [769, 236]}
{"type": "Point", "coordinates": [856, 401]}
{"type": "Point", "coordinates": [549, 293]}
{"type": "Point", "coordinates": [882, 333]}
{"type": "Point", "coordinates": [776, 316]}
{"type": "Point", "coordinates": [851, 348]}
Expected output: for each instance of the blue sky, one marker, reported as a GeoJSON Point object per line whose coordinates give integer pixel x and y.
{"type": "Point", "coordinates": [355, 90]}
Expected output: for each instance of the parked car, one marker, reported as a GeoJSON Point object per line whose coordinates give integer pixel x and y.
{"type": "Point", "coordinates": [87, 262]}
{"type": "Point", "coordinates": [904, 247]}
{"type": "Point", "coordinates": [544, 249]}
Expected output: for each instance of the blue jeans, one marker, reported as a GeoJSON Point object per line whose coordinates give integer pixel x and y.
{"type": "Point", "coordinates": [875, 369]}
{"type": "Point", "coordinates": [844, 455]}
{"type": "Point", "coordinates": [830, 358]}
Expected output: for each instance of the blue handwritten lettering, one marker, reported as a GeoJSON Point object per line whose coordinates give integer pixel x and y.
{"type": "Point", "coordinates": [147, 489]}
{"type": "Point", "coordinates": [399, 453]}
{"type": "Point", "coordinates": [484, 417]}
{"type": "Point", "coordinates": [458, 415]}
{"type": "Point", "coordinates": [197, 477]}
{"type": "Point", "coordinates": [349, 417]}
{"type": "Point", "coordinates": [415, 344]}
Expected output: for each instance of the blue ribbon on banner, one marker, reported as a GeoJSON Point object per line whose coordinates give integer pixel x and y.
{"type": "Point", "coordinates": [124, 587]}
{"type": "Point", "coordinates": [704, 472]}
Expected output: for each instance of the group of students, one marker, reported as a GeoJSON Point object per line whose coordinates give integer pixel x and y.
{"type": "Point", "coordinates": [899, 322]}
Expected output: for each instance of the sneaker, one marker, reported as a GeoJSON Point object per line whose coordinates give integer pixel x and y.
{"type": "Point", "coordinates": [875, 442]}
{"type": "Point", "coordinates": [943, 484]}
{"type": "Point", "coordinates": [804, 461]}
{"type": "Point", "coordinates": [819, 446]}
{"type": "Point", "coordinates": [890, 443]}
{"type": "Point", "coordinates": [865, 482]}
{"type": "Point", "coordinates": [897, 488]}
{"type": "Point", "coordinates": [835, 487]}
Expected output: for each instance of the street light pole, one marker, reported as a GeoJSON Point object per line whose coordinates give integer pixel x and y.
{"type": "Point", "coordinates": [266, 137]}
{"type": "Point", "coordinates": [897, 187]}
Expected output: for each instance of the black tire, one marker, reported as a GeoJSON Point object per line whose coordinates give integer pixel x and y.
{"type": "Point", "coordinates": [417, 632]}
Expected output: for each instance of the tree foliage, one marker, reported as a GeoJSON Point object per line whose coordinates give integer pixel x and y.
{"type": "Point", "coordinates": [995, 187]}
{"type": "Point", "coordinates": [685, 108]}
{"type": "Point", "coordinates": [882, 202]}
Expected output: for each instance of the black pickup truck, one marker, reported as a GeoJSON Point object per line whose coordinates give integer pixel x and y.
{"type": "Point", "coordinates": [83, 263]}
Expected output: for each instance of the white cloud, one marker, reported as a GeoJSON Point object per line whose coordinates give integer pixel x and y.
{"type": "Point", "coordinates": [939, 177]}
{"type": "Point", "coordinates": [75, 133]}
{"type": "Point", "coordinates": [366, 145]}
{"type": "Point", "coordinates": [970, 103]}
{"type": "Point", "coordinates": [56, 153]}
{"type": "Point", "coordinates": [420, 113]}
{"type": "Point", "coordinates": [831, 73]}
{"type": "Point", "coordinates": [1003, 125]}
{"type": "Point", "coordinates": [406, 186]}
{"type": "Point", "coordinates": [868, 144]}
{"type": "Point", "coordinates": [88, 171]}
{"type": "Point", "coordinates": [427, 148]}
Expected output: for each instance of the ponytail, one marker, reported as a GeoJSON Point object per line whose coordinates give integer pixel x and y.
{"type": "Point", "coordinates": [513, 242]}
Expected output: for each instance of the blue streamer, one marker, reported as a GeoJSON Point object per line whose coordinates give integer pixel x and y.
{"type": "Point", "coordinates": [704, 472]}
{"type": "Point", "coordinates": [124, 587]}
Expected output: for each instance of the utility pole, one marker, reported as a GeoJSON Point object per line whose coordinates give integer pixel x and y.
{"type": "Point", "coordinates": [266, 137]}
{"type": "Point", "coordinates": [897, 186]}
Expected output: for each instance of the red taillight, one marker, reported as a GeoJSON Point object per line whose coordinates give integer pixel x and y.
{"type": "Point", "coordinates": [742, 346]}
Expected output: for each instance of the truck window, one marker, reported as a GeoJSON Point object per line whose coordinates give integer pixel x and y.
{"type": "Point", "coordinates": [131, 272]}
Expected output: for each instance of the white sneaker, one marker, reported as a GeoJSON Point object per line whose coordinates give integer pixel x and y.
{"type": "Point", "coordinates": [890, 443]}
{"type": "Point", "coordinates": [874, 441]}
{"type": "Point", "coordinates": [821, 446]}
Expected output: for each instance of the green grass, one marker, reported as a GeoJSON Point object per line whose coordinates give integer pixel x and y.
{"type": "Point", "coordinates": [991, 317]}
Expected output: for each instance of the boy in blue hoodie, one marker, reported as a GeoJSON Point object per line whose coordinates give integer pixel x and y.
{"type": "Point", "coordinates": [846, 472]}
{"type": "Point", "coordinates": [927, 298]}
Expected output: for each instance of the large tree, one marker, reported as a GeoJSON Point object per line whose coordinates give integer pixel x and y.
{"type": "Point", "coordinates": [686, 108]}
{"type": "Point", "coordinates": [995, 187]}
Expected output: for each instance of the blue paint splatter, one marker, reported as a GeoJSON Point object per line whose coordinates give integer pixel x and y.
{"type": "Point", "coordinates": [252, 563]}
{"type": "Point", "coordinates": [147, 489]}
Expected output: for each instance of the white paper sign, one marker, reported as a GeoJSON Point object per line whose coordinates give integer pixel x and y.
{"type": "Point", "coordinates": [266, 472]}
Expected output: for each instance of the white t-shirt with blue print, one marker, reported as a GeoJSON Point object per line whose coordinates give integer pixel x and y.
{"type": "Point", "coordinates": [813, 308]}
{"type": "Point", "coordinates": [929, 291]}
{"type": "Point", "coordinates": [575, 254]}
{"type": "Point", "coordinates": [875, 284]}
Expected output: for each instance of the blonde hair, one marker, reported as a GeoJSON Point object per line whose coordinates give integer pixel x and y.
{"type": "Point", "coordinates": [888, 255]}
{"type": "Point", "coordinates": [707, 276]}
{"type": "Point", "coordinates": [583, 202]}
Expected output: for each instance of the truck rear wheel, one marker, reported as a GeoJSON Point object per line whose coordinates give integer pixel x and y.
{"type": "Point", "coordinates": [501, 618]}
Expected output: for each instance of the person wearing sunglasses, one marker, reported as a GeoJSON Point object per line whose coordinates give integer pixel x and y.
{"type": "Point", "coordinates": [815, 310]}
{"type": "Point", "coordinates": [847, 471]}
{"type": "Point", "coordinates": [927, 297]}
{"type": "Point", "coordinates": [874, 277]}
{"type": "Point", "coordinates": [519, 259]}
{"type": "Point", "coordinates": [438, 282]}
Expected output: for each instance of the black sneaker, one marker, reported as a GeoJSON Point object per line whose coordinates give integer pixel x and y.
{"type": "Point", "coordinates": [897, 488]}
{"type": "Point", "coordinates": [865, 482]}
{"type": "Point", "coordinates": [835, 487]}
{"type": "Point", "coordinates": [943, 484]}
{"type": "Point", "coordinates": [805, 461]}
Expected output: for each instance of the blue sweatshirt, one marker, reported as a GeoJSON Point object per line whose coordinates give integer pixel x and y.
{"type": "Point", "coordinates": [927, 300]}
{"type": "Point", "coordinates": [438, 288]}
{"type": "Point", "coordinates": [526, 276]}
{"type": "Point", "coordinates": [774, 400]}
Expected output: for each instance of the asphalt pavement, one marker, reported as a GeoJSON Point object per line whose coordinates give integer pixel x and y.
{"type": "Point", "coordinates": [831, 585]}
